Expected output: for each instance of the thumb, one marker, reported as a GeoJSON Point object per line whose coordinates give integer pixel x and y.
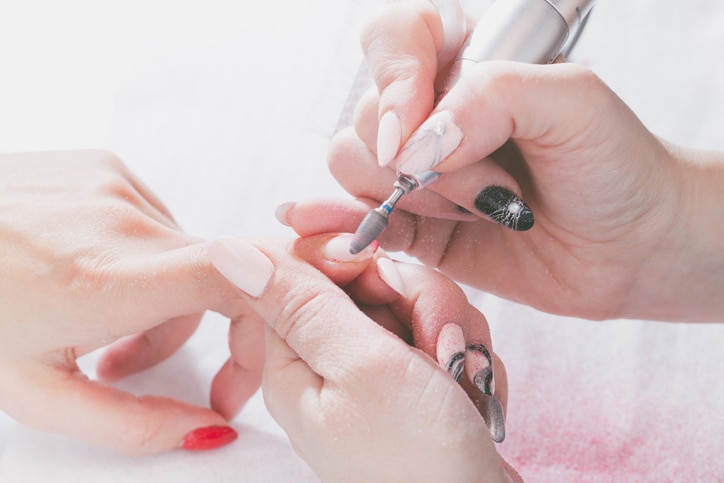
{"type": "Point", "coordinates": [303, 306]}
{"type": "Point", "coordinates": [559, 105]}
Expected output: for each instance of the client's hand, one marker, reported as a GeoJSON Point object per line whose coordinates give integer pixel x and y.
{"type": "Point", "coordinates": [351, 372]}
{"type": "Point", "coordinates": [89, 255]}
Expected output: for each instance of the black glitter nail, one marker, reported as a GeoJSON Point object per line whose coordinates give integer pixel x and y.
{"type": "Point", "coordinates": [504, 207]}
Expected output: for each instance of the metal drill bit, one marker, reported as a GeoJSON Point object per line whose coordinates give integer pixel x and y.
{"type": "Point", "coordinates": [376, 220]}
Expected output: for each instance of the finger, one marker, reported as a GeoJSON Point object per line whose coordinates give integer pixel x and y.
{"type": "Point", "coordinates": [314, 316]}
{"type": "Point", "coordinates": [150, 196]}
{"type": "Point", "coordinates": [161, 285]}
{"type": "Point", "coordinates": [524, 102]}
{"type": "Point", "coordinates": [458, 337]}
{"type": "Point", "coordinates": [66, 402]}
{"type": "Point", "coordinates": [311, 217]}
{"type": "Point", "coordinates": [401, 46]}
{"type": "Point", "coordinates": [287, 383]}
{"type": "Point", "coordinates": [240, 377]}
{"type": "Point", "coordinates": [138, 352]}
{"type": "Point", "coordinates": [492, 407]}
{"type": "Point", "coordinates": [126, 186]}
{"type": "Point", "coordinates": [330, 253]}
{"type": "Point", "coordinates": [366, 121]}
{"type": "Point", "coordinates": [352, 164]}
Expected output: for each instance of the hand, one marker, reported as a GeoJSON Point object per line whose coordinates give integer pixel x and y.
{"type": "Point", "coordinates": [616, 217]}
{"type": "Point", "coordinates": [88, 256]}
{"type": "Point", "coordinates": [358, 402]}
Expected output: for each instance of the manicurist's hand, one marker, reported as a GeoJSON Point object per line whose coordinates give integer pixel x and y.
{"type": "Point", "coordinates": [90, 256]}
{"type": "Point", "coordinates": [362, 357]}
{"type": "Point", "coordinates": [554, 194]}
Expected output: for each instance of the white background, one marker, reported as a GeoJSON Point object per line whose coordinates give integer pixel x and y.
{"type": "Point", "coordinates": [225, 109]}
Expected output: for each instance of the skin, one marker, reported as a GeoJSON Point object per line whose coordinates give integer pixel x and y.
{"type": "Point", "coordinates": [624, 221]}
{"type": "Point", "coordinates": [347, 385]}
{"type": "Point", "coordinates": [91, 258]}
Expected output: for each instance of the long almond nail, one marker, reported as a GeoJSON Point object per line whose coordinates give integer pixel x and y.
{"type": "Point", "coordinates": [503, 207]}
{"type": "Point", "coordinates": [430, 144]}
{"type": "Point", "coordinates": [479, 368]}
{"type": "Point", "coordinates": [492, 412]}
{"type": "Point", "coordinates": [389, 274]}
{"type": "Point", "coordinates": [242, 264]}
{"type": "Point", "coordinates": [451, 350]}
{"type": "Point", "coordinates": [337, 249]}
{"type": "Point", "coordinates": [207, 438]}
{"type": "Point", "coordinates": [388, 138]}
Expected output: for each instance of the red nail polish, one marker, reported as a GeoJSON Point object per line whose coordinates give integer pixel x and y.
{"type": "Point", "coordinates": [209, 438]}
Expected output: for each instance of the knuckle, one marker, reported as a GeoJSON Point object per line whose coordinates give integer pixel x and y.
{"type": "Point", "coordinates": [304, 305]}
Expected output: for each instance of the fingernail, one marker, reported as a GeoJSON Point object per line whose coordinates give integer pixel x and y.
{"type": "Point", "coordinates": [208, 438]}
{"type": "Point", "coordinates": [479, 368]}
{"type": "Point", "coordinates": [242, 264]}
{"type": "Point", "coordinates": [451, 350]}
{"type": "Point", "coordinates": [337, 249]}
{"type": "Point", "coordinates": [492, 412]}
{"type": "Point", "coordinates": [502, 206]}
{"type": "Point", "coordinates": [430, 144]}
{"type": "Point", "coordinates": [282, 213]}
{"type": "Point", "coordinates": [389, 274]}
{"type": "Point", "coordinates": [389, 136]}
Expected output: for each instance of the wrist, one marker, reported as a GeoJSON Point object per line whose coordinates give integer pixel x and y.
{"type": "Point", "coordinates": [684, 275]}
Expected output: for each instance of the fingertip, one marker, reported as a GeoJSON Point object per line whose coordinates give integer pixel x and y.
{"type": "Point", "coordinates": [390, 274]}
{"type": "Point", "coordinates": [330, 254]}
{"type": "Point", "coordinates": [282, 213]}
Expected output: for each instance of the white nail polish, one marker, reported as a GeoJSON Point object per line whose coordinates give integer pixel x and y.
{"type": "Point", "coordinates": [389, 274]}
{"type": "Point", "coordinates": [282, 213]}
{"type": "Point", "coordinates": [430, 144]}
{"type": "Point", "coordinates": [242, 264]}
{"type": "Point", "coordinates": [337, 249]}
{"type": "Point", "coordinates": [389, 136]}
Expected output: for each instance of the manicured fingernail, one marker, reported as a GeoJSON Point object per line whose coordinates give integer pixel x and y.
{"type": "Point", "coordinates": [388, 138]}
{"type": "Point", "coordinates": [208, 438]}
{"type": "Point", "coordinates": [430, 144]}
{"type": "Point", "coordinates": [337, 249]}
{"type": "Point", "coordinates": [282, 213]}
{"type": "Point", "coordinates": [502, 206]}
{"type": "Point", "coordinates": [492, 412]}
{"type": "Point", "coordinates": [242, 264]}
{"type": "Point", "coordinates": [479, 368]}
{"type": "Point", "coordinates": [451, 350]}
{"type": "Point", "coordinates": [389, 274]}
